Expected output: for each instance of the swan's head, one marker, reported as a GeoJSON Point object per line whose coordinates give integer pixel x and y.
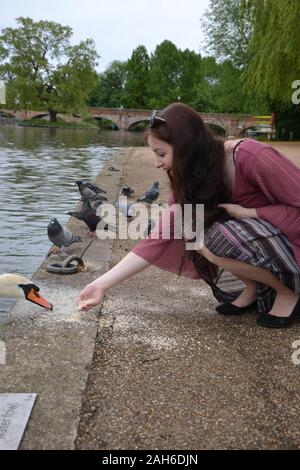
{"type": "Point", "coordinates": [31, 292]}
{"type": "Point", "coordinates": [16, 286]}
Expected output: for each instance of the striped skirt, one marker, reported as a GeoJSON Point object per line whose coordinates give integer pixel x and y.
{"type": "Point", "coordinates": [255, 242]}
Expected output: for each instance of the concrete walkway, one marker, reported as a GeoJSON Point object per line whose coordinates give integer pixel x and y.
{"type": "Point", "coordinates": [170, 373]}
{"type": "Point", "coordinates": [159, 369]}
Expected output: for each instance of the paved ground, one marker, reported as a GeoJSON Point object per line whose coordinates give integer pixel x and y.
{"type": "Point", "coordinates": [168, 372]}
{"type": "Point", "coordinates": [159, 369]}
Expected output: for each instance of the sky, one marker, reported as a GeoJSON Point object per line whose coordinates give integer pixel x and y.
{"type": "Point", "coordinates": [117, 26]}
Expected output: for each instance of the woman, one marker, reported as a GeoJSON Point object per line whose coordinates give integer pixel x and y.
{"type": "Point", "coordinates": [251, 195]}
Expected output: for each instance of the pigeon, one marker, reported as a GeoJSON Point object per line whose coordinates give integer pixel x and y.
{"type": "Point", "coordinates": [151, 195]}
{"type": "Point", "coordinates": [88, 215]}
{"type": "Point", "coordinates": [75, 214]}
{"type": "Point", "coordinates": [127, 210]}
{"type": "Point", "coordinates": [86, 205]}
{"type": "Point", "coordinates": [90, 191]}
{"type": "Point", "coordinates": [60, 236]}
{"type": "Point", "coordinates": [91, 219]}
{"type": "Point", "coordinates": [92, 186]}
{"type": "Point", "coordinates": [126, 191]}
{"type": "Point", "coordinates": [96, 204]}
{"type": "Point", "coordinates": [112, 168]}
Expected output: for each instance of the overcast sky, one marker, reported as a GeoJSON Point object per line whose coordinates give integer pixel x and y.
{"type": "Point", "coordinates": [117, 26]}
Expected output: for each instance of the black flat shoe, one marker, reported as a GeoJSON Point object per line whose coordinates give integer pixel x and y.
{"type": "Point", "coordinates": [230, 309]}
{"type": "Point", "coordinates": [271, 321]}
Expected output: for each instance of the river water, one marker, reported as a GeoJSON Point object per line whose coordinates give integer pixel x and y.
{"type": "Point", "coordinates": [38, 169]}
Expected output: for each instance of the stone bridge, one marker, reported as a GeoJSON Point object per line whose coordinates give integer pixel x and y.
{"type": "Point", "coordinates": [125, 119]}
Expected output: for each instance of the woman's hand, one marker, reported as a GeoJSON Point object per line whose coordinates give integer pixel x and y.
{"type": "Point", "coordinates": [239, 212]}
{"type": "Point", "coordinates": [93, 293]}
{"type": "Point", "coordinates": [90, 296]}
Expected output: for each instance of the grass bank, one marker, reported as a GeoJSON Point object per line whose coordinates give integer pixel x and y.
{"type": "Point", "coordinates": [58, 124]}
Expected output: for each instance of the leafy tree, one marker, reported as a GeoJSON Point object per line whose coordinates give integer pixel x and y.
{"type": "Point", "coordinates": [228, 30]}
{"type": "Point", "coordinates": [109, 91]}
{"type": "Point", "coordinates": [189, 76]}
{"type": "Point", "coordinates": [174, 75]}
{"type": "Point", "coordinates": [221, 90]}
{"type": "Point", "coordinates": [42, 70]}
{"type": "Point", "coordinates": [136, 88]}
{"type": "Point", "coordinates": [164, 75]}
{"type": "Point", "coordinates": [274, 48]}
{"type": "Point", "coordinates": [142, 82]}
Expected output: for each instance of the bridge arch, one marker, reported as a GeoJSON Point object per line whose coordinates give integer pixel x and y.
{"type": "Point", "coordinates": [142, 122]}
{"type": "Point", "coordinates": [104, 117]}
{"type": "Point", "coordinates": [217, 127]}
{"type": "Point", "coordinates": [7, 114]}
{"type": "Point", "coordinates": [38, 116]}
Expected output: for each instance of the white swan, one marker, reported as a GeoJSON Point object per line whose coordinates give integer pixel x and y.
{"type": "Point", "coordinates": [18, 287]}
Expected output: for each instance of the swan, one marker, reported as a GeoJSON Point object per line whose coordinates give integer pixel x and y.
{"type": "Point", "coordinates": [18, 287]}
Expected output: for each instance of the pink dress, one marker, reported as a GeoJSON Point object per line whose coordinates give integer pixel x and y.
{"type": "Point", "coordinates": [264, 179]}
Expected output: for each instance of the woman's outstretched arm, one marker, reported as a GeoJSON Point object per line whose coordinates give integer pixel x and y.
{"type": "Point", "coordinates": [93, 293]}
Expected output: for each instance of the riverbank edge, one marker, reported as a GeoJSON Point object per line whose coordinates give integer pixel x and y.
{"type": "Point", "coordinates": [50, 352]}
{"type": "Point", "coordinates": [59, 125]}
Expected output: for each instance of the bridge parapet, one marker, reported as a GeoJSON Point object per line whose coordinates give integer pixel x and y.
{"type": "Point", "coordinates": [123, 118]}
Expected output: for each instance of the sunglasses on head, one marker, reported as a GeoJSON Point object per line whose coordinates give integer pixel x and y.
{"type": "Point", "coordinates": [155, 119]}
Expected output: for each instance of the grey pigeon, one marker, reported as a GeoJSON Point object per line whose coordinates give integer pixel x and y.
{"type": "Point", "coordinates": [151, 195]}
{"type": "Point", "coordinates": [60, 236]}
{"type": "Point", "coordinates": [91, 219]}
{"type": "Point", "coordinates": [96, 204]}
{"type": "Point", "coordinates": [86, 206]}
{"type": "Point", "coordinates": [90, 191]}
{"type": "Point", "coordinates": [92, 186]}
{"type": "Point", "coordinates": [126, 191]}
{"type": "Point", "coordinates": [88, 215]}
{"type": "Point", "coordinates": [76, 214]}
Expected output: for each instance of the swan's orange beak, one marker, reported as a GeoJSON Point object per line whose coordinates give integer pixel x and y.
{"type": "Point", "coordinates": [34, 296]}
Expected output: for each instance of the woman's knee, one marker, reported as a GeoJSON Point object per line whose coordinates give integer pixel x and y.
{"type": "Point", "coordinates": [213, 243]}
{"type": "Point", "coordinates": [209, 255]}
{"type": "Point", "coordinates": [221, 243]}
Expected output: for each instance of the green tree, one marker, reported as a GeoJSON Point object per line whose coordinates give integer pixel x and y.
{"type": "Point", "coordinates": [228, 30]}
{"type": "Point", "coordinates": [174, 75]}
{"type": "Point", "coordinates": [109, 91]}
{"type": "Point", "coordinates": [221, 90]}
{"type": "Point", "coordinates": [42, 70]}
{"type": "Point", "coordinates": [136, 88]}
{"type": "Point", "coordinates": [190, 76]}
{"type": "Point", "coordinates": [274, 48]}
{"type": "Point", "coordinates": [165, 75]}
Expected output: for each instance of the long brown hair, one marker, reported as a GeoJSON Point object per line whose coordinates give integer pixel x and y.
{"type": "Point", "coordinates": [197, 160]}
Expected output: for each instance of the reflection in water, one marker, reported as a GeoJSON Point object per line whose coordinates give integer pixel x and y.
{"type": "Point", "coordinates": [38, 168]}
